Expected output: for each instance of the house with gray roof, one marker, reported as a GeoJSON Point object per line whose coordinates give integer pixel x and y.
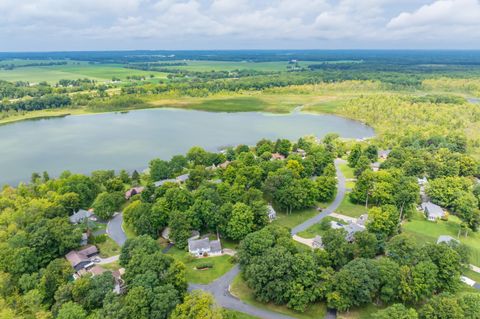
{"type": "Point", "coordinates": [432, 211]}
{"type": "Point", "coordinates": [80, 216]}
{"type": "Point", "coordinates": [272, 214]}
{"type": "Point", "coordinates": [383, 154]}
{"type": "Point", "coordinates": [447, 239]}
{"type": "Point", "coordinates": [350, 228]}
{"type": "Point", "coordinates": [317, 242]}
{"type": "Point", "coordinates": [204, 247]}
{"type": "Point", "coordinates": [183, 178]}
{"type": "Point", "coordinates": [163, 181]}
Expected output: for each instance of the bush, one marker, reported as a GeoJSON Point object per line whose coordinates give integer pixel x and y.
{"type": "Point", "coordinates": [98, 239]}
{"type": "Point", "coordinates": [204, 265]}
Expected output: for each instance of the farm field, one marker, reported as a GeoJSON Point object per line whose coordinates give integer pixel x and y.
{"type": "Point", "coordinates": [72, 71]}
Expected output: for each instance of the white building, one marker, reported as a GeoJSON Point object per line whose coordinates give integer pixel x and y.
{"type": "Point", "coordinates": [432, 211]}
{"type": "Point", "coordinates": [204, 247]}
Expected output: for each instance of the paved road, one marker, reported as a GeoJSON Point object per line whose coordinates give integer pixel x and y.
{"type": "Point", "coordinates": [115, 230]}
{"type": "Point", "coordinates": [330, 209]}
{"type": "Point", "coordinates": [219, 289]}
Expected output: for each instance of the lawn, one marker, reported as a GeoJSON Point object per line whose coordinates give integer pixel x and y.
{"type": "Point", "coordinates": [472, 275]}
{"type": "Point", "coordinates": [129, 232]}
{"type": "Point", "coordinates": [239, 315]}
{"type": "Point", "coordinates": [316, 229]}
{"type": "Point", "coordinates": [221, 265]}
{"type": "Point", "coordinates": [295, 218]}
{"type": "Point", "coordinates": [360, 313]}
{"type": "Point", "coordinates": [426, 231]}
{"type": "Point", "coordinates": [350, 209]}
{"type": "Point", "coordinates": [347, 170]}
{"type": "Point", "coordinates": [111, 266]}
{"type": "Point", "coordinates": [240, 289]}
{"type": "Point", "coordinates": [109, 248]}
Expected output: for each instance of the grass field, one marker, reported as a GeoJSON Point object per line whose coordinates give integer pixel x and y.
{"type": "Point", "coordinates": [295, 218]}
{"type": "Point", "coordinates": [426, 231]}
{"type": "Point", "coordinates": [109, 248]}
{"type": "Point", "coordinates": [350, 209]}
{"type": "Point", "coordinates": [347, 171]}
{"type": "Point", "coordinates": [207, 66]}
{"type": "Point", "coordinates": [239, 315]}
{"type": "Point", "coordinates": [240, 289]}
{"type": "Point", "coordinates": [221, 265]}
{"type": "Point", "coordinates": [72, 71]}
{"type": "Point", "coordinates": [315, 230]}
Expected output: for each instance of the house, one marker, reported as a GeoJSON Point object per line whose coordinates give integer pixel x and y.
{"type": "Point", "coordinates": [336, 225]}
{"type": "Point", "coordinates": [375, 166]}
{"type": "Point", "coordinates": [383, 154]}
{"type": "Point", "coordinates": [80, 216]}
{"type": "Point", "coordinates": [84, 239]}
{"type": "Point", "coordinates": [166, 233]}
{"type": "Point", "coordinates": [277, 156]}
{"type": "Point", "coordinates": [133, 191]}
{"type": "Point", "coordinates": [204, 247]}
{"type": "Point", "coordinates": [362, 220]}
{"type": "Point", "coordinates": [352, 229]}
{"type": "Point", "coordinates": [224, 164]}
{"type": "Point", "coordinates": [301, 152]}
{"type": "Point", "coordinates": [317, 242]}
{"type": "Point", "coordinates": [180, 179]}
{"type": "Point", "coordinates": [272, 214]}
{"type": "Point", "coordinates": [447, 239]}
{"type": "Point", "coordinates": [432, 211]}
{"type": "Point", "coordinates": [80, 259]}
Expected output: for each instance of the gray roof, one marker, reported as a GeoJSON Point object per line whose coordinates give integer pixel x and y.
{"type": "Point", "coordinates": [183, 178]}
{"type": "Point", "coordinates": [336, 225]}
{"type": "Point", "coordinates": [160, 183]}
{"type": "Point", "coordinates": [197, 244]}
{"type": "Point", "coordinates": [215, 246]}
{"type": "Point", "coordinates": [433, 210]}
{"type": "Point", "coordinates": [384, 153]}
{"type": "Point", "coordinates": [80, 216]}
{"type": "Point", "coordinates": [446, 239]}
{"type": "Point", "coordinates": [353, 228]}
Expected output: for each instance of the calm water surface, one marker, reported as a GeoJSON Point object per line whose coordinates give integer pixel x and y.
{"type": "Point", "coordinates": [115, 141]}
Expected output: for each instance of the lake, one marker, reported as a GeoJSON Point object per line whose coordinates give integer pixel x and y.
{"type": "Point", "coordinates": [114, 141]}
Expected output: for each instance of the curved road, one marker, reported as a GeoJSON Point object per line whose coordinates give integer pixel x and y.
{"type": "Point", "coordinates": [220, 287]}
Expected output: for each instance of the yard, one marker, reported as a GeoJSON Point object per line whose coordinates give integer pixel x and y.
{"type": "Point", "coordinates": [348, 208]}
{"type": "Point", "coordinates": [295, 218]}
{"type": "Point", "coordinates": [221, 265]}
{"type": "Point", "coordinates": [316, 229]}
{"type": "Point", "coordinates": [426, 231]}
{"type": "Point", "coordinates": [347, 170]}
{"type": "Point", "coordinates": [108, 248]}
{"type": "Point", "coordinates": [240, 290]}
{"type": "Point", "coordinates": [239, 315]}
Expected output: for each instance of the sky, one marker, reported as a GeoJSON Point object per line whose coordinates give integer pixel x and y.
{"type": "Point", "coordinates": [64, 25]}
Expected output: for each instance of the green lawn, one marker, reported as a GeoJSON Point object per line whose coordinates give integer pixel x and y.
{"type": "Point", "coordinates": [350, 209]}
{"type": "Point", "coordinates": [472, 275]}
{"type": "Point", "coordinates": [111, 266]}
{"type": "Point", "coordinates": [316, 229]}
{"type": "Point", "coordinates": [240, 289]}
{"type": "Point", "coordinates": [232, 104]}
{"type": "Point", "coordinates": [221, 265]}
{"type": "Point", "coordinates": [295, 218]}
{"type": "Point", "coordinates": [360, 313]}
{"type": "Point", "coordinates": [207, 66]}
{"type": "Point", "coordinates": [129, 232]}
{"type": "Point", "coordinates": [347, 170]}
{"type": "Point", "coordinates": [426, 231]}
{"type": "Point", "coordinates": [239, 315]}
{"type": "Point", "coordinates": [109, 248]}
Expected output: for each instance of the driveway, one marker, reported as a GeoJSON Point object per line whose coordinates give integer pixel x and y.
{"type": "Point", "coordinates": [330, 209]}
{"type": "Point", "coordinates": [115, 230]}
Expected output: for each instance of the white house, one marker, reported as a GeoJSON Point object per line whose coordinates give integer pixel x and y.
{"type": "Point", "coordinates": [80, 216]}
{"type": "Point", "coordinates": [272, 214]}
{"type": "Point", "coordinates": [432, 211]}
{"type": "Point", "coordinates": [204, 246]}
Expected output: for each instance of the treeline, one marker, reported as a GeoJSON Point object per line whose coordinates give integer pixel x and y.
{"type": "Point", "coordinates": [16, 90]}
{"type": "Point", "coordinates": [12, 66]}
{"type": "Point", "coordinates": [38, 103]}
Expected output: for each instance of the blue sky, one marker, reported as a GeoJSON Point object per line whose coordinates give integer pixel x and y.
{"type": "Point", "coordinates": [43, 25]}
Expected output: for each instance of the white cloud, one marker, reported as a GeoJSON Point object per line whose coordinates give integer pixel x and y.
{"type": "Point", "coordinates": [216, 23]}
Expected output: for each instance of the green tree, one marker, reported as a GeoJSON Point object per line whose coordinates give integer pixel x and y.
{"type": "Point", "coordinates": [241, 221]}
{"type": "Point", "coordinates": [106, 204]}
{"type": "Point", "coordinates": [71, 310]}
{"type": "Point", "coordinates": [397, 311]}
{"type": "Point", "coordinates": [198, 305]}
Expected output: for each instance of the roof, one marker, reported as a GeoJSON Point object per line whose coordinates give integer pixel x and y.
{"type": "Point", "coordinates": [446, 239]}
{"type": "Point", "coordinates": [89, 250]}
{"type": "Point", "coordinates": [215, 246]}
{"type": "Point", "coordinates": [163, 181]}
{"type": "Point", "coordinates": [278, 156]}
{"type": "Point", "coordinates": [80, 215]}
{"type": "Point", "coordinates": [336, 225]}
{"type": "Point", "coordinates": [317, 241]}
{"type": "Point", "coordinates": [97, 270]}
{"type": "Point", "coordinates": [384, 153]}
{"type": "Point", "coordinates": [183, 178]}
{"type": "Point", "coordinates": [271, 211]}
{"type": "Point", "coordinates": [74, 258]}
{"type": "Point", "coordinates": [432, 209]}
{"type": "Point", "coordinates": [133, 191]}
{"type": "Point", "coordinates": [199, 244]}
{"type": "Point", "coordinates": [353, 228]}
{"type": "Point", "coordinates": [224, 164]}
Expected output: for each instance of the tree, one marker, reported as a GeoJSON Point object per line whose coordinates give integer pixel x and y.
{"type": "Point", "coordinates": [241, 221]}
{"type": "Point", "coordinates": [107, 203]}
{"type": "Point", "coordinates": [470, 303]}
{"type": "Point", "coordinates": [354, 155]}
{"type": "Point", "coordinates": [198, 305]}
{"type": "Point", "coordinates": [383, 220]}
{"type": "Point", "coordinates": [389, 280]}
{"type": "Point", "coordinates": [402, 249]}
{"type": "Point", "coordinates": [71, 310]}
{"type": "Point", "coordinates": [441, 307]}
{"type": "Point", "coordinates": [363, 164]}
{"type": "Point", "coordinates": [397, 311]}
{"type": "Point", "coordinates": [198, 156]}
{"type": "Point", "coordinates": [138, 215]}
{"type": "Point", "coordinates": [181, 228]}
{"type": "Point", "coordinates": [340, 252]}
{"type": "Point", "coordinates": [371, 152]}
{"type": "Point", "coordinates": [365, 244]}
{"type": "Point", "coordinates": [57, 273]}
{"type": "Point", "coordinates": [327, 186]}
{"type": "Point", "coordinates": [283, 146]}
{"type": "Point", "coordinates": [354, 285]}
{"type": "Point", "coordinates": [159, 169]}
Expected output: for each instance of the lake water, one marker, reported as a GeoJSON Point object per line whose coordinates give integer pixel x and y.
{"type": "Point", "coordinates": [115, 141]}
